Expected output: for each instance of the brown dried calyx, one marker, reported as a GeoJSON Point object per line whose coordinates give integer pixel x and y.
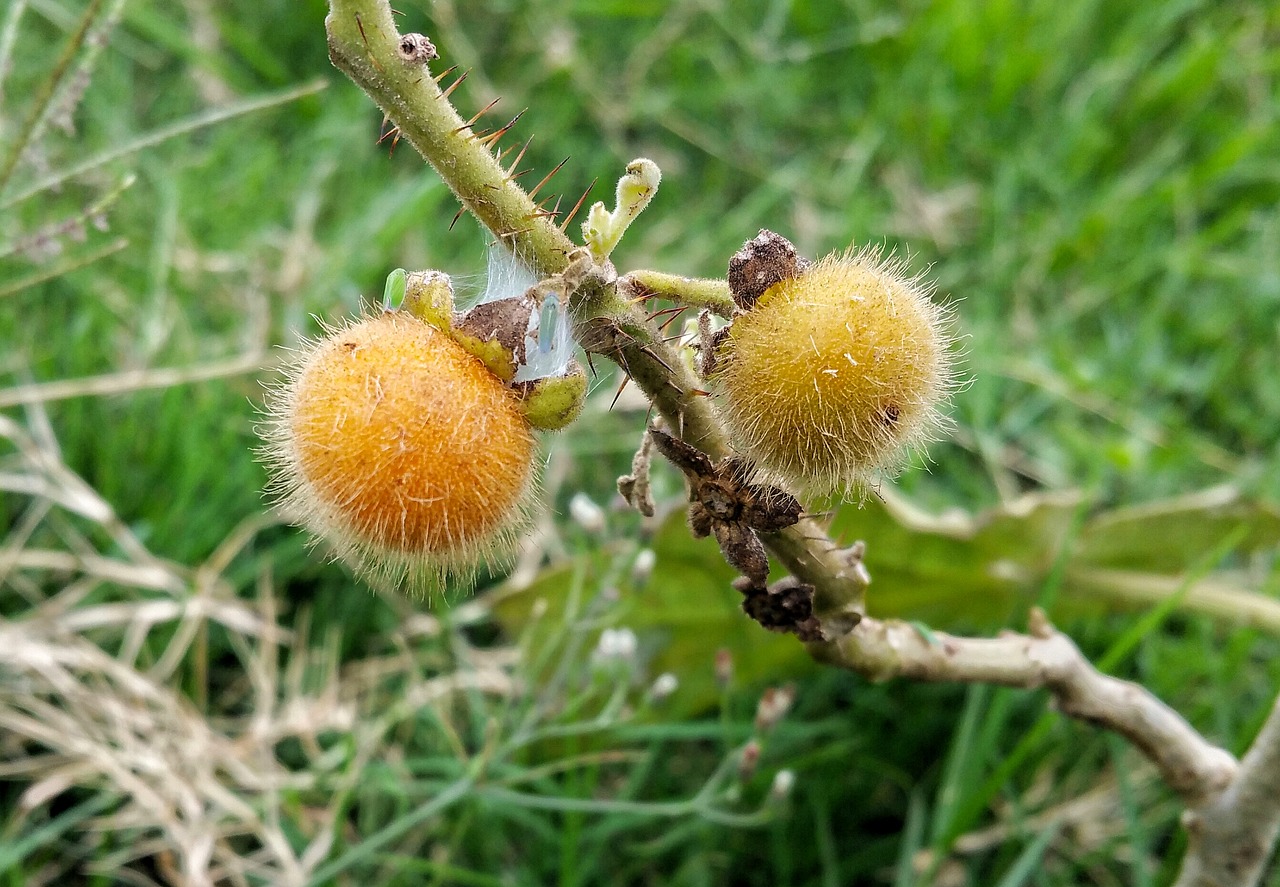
{"type": "Point", "coordinates": [724, 503]}
{"type": "Point", "coordinates": [786, 606]}
{"type": "Point", "coordinates": [763, 261]}
{"type": "Point", "coordinates": [416, 49]}
{"type": "Point", "coordinates": [634, 487]}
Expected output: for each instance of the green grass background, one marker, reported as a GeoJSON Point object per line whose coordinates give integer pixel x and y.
{"type": "Point", "coordinates": [1095, 186]}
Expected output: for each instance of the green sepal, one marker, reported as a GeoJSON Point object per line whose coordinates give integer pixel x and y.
{"type": "Point", "coordinates": [500, 359]}
{"type": "Point", "coordinates": [495, 332]}
{"type": "Point", "coordinates": [553, 402]}
{"type": "Point", "coordinates": [428, 296]}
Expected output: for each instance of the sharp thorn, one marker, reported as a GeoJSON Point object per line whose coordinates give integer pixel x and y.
{"type": "Point", "coordinates": [672, 318]}
{"type": "Point", "coordinates": [653, 355]}
{"type": "Point", "coordinates": [661, 311]}
{"type": "Point", "coordinates": [519, 157]}
{"type": "Point", "coordinates": [483, 111]}
{"type": "Point", "coordinates": [492, 140]}
{"type": "Point", "coordinates": [445, 73]}
{"type": "Point", "coordinates": [360, 25]}
{"type": "Point", "coordinates": [547, 177]}
{"type": "Point", "coordinates": [618, 393]}
{"type": "Point", "coordinates": [455, 84]}
{"type": "Point", "coordinates": [457, 216]}
{"type": "Point", "coordinates": [577, 206]}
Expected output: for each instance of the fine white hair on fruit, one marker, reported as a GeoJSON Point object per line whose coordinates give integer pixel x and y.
{"type": "Point", "coordinates": [387, 478]}
{"type": "Point", "coordinates": [838, 374]}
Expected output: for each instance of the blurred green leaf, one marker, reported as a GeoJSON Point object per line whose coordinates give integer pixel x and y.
{"type": "Point", "coordinates": [1172, 534]}
{"type": "Point", "coordinates": [955, 570]}
{"type": "Point", "coordinates": [683, 614]}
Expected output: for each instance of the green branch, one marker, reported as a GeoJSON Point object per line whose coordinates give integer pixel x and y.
{"type": "Point", "coordinates": [365, 44]}
{"type": "Point", "coordinates": [695, 292]}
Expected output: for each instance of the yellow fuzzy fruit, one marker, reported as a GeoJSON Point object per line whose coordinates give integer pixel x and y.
{"type": "Point", "coordinates": [836, 374]}
{"type": "Point", "coordinates": [394, 444]}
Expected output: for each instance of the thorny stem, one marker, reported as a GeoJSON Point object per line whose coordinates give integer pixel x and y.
{"type": "Point", "coordinates": [363, 43]}
{"type": "Point", "coordinates": [1234, 808]}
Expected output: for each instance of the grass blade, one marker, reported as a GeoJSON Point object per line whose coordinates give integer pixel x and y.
{"type": "Point", "coordinates": [159, 136]}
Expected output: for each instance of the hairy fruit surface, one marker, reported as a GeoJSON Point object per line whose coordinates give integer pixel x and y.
{"type": "Point", "coordinates": [836, 373]}
{"type": "Point", "coordinates": [393, 443]}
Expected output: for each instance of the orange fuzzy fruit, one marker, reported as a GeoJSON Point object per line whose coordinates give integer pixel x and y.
{"type": "Point", "coordinates": [836, 374]}
{"type": "Point", "coordinates": [393, 443]}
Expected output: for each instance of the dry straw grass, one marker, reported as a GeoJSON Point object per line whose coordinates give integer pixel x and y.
{"type": "Point", "coordinates": [188, 796]}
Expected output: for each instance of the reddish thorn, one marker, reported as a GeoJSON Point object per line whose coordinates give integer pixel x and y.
{"type": "Point", "coordinates": [455, 84]}
{"type": "Point", "coordinates": [672, 319]}
{"type": "Point", "coordinates": [547, 178]}
{"type": "Point", "coordinates": [577, 206]}
{"type": "Point", "coordinates": [618, 393]}
{"type": "Point", "coordinates": [662, 311]}
{"type": "Point", "coordinates": [483, 111]}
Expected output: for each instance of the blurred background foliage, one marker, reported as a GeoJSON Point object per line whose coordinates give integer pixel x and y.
{"type": "Point", "coordinates": [1095, 186]}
